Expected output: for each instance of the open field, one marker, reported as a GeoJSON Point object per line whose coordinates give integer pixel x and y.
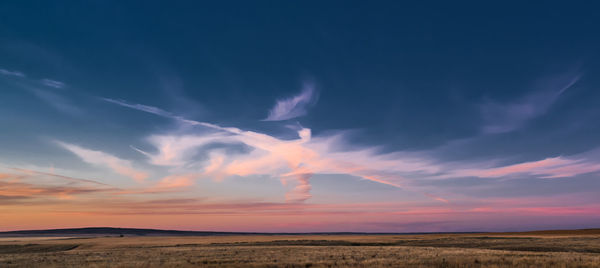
{"type": "Point", "coordinates": [531, 249]}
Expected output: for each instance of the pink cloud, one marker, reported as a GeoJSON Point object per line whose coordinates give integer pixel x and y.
{"type": "Point", "coordinates": [294, 161]}
{"type": "Point", "coordinates": [301, 191]}
{"type": "Point", "coordinates": [176, 181]}
{"type": "Point", "coordinates": [34, 185]}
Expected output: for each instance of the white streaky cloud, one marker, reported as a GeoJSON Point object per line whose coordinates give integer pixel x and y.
{"type": "Point", "coordinates": [555, 167]}
{"type": "Point", "coordinates": [118, 165]}
{"type": "Point", "coordinates": [293, 107]}
{"type": "Point", "coordinates": [53, 83]}
{"type": "Point", "coordinates": [506, 117]}
{"type": "Point", "coordinates": [141, 107]}
{"type": "Point", "coordinates": [53, 99]}
{"type": "Point", "coordinates": [11, 73]}
{"type": "Point", "coordinates": [56, 101]}
{"type": "Point", "coordinates": [163, 113]}
{"type": "Point", "coordinates": [177, 150]}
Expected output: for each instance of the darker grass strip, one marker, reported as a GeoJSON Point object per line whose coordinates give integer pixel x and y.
{"type": "Point", "coordinates": [35, 248]}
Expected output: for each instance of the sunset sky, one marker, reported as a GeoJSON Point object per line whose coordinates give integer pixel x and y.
{"type": "Point", "coordinates": [299, 116]}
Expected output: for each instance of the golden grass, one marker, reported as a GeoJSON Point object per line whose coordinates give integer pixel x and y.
{"type": "Point", "coordinates": [435, 250]}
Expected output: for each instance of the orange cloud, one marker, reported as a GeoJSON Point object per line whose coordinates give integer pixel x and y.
{"type": "Point", "coordinates": [33, 185]}
{"type": "Point", "coordinates": [176, 181]}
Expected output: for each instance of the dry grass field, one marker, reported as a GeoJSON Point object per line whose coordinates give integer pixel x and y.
{"type": "Point", "coordinates": [532, 249]}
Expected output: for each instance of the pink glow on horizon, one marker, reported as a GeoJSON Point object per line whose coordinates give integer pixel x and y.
{"type": "Point", "coordinates": [63, 199]}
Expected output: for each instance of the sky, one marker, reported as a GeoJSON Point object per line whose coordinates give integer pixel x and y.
{"type": "Point", "coordinates": [309, 116]}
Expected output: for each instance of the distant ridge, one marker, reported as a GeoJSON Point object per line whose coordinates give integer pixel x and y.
{"type": "Point", "coordinates": [591, 231]}
{"type": "Point", "coordinates": [112, 231]}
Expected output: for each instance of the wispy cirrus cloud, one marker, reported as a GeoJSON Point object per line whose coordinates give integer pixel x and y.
{"type": "Point", "coordinates": [53, 83]}
{"type": "Point", "coordinates": [295, 106]}
{"type": "Point", "coordinates": [141, 107]}
{"type": "Point", "coordinates": [39, 88]}
{"type": "Point", "coordinates": [118, 165]}
{"type": "Point", "coordinates": [555, 167]}
{"type": "Point", "coordinates": [57, 101]}
{"type": "Point", "coordinates": [46, 81]}
{"type": "Point", "coordinates": [11, 73]}
{"type": "Point", "coordinates": [505, 117]}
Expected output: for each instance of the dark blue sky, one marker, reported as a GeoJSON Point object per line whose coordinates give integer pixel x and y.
{"type": "Point", "coordinates": [459, 88]}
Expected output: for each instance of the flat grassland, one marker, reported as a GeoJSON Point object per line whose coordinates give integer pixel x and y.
{"type": "Point", "coordinates": [580, 248]}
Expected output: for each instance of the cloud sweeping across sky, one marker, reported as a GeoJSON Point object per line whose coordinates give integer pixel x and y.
{"type": "Point", "coordinates": [293, 161]}
{"type": "Point", "coordinates": [414, 118]}
{"type": "Point", "coordinates": [298, 159]}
